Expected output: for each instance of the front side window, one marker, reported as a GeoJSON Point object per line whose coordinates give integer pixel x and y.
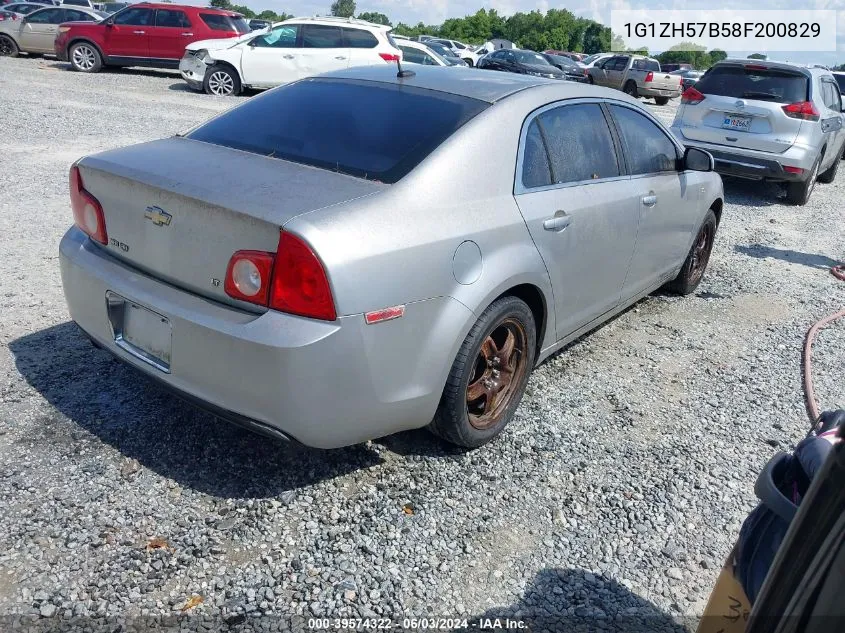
{"type": "Point", "coordinates": [648, 149]}
{"type": "Point", "coordinates": [359, 38]}
{"type": "Point", "coordinates": [47, 16]}
{"type": "Point", "coordinates": [280, 37]}
{"type": "Point", "coordinates": [320, 36]}
{"type": "Point", "coordinates": [135, 17]}
{"type": "Point", "coordinates": [579, 143]}
{"type": "Point", "coordinates": [172, 18]}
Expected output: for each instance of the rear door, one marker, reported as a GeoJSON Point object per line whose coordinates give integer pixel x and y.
{"type": "Point", "coordinates": [831, 120]}
{"type": "Point", "coordinates": [323, 50]}
{"type": "Point", "coordinates": [272, 59]}
{"type": "Point", "coordinates": [171, 32]}
{"type": "Point", "coordinates": [129, 35]}
{"type": "Point", "coordinates": [617, 72]}
{"type": "Point", "coordinates": [39, 30]}
{"type": "Point", "coordinates": [666, 199]}
{"type": "Point", "coordinates": [578, 207]}
{"type": "Point", "coordinates": [743, 107]}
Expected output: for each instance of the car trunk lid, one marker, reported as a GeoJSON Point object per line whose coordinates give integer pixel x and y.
{"type": "Point", "coordinates": [664, 81]}
{"type": "Point", "coordinates": [177, 209]}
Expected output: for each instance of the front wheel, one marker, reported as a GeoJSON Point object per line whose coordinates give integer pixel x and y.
{"type": "Point", "coordinates": [692, 272]}
{"type": "Point", "coordinates": [8, 47]}
{"type": "Point", "coordinates": [489, 375]}
{"type": "Point", "coordinates": [85, 58]}
{"type": "Point", "coordinates": [661, 100]}
{"type": "Point", "coordinates": [221, 81]}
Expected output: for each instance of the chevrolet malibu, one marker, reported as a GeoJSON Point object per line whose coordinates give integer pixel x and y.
{"type": "Point", "coordinates": [325, 262]}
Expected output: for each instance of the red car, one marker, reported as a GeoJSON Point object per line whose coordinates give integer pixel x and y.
{"type": "Point", "coordinates": [144, 34]}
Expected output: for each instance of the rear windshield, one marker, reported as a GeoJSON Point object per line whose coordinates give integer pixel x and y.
{"type": "Point", "coordinates": [754, 82]}
{"type": "Point", "coordinates": [840, 79]}
{"type": "Point", "coordinates": [371, 130]}
{"type": "Point", "coordinates": [646, 64]}
{"type": "Point", "coordinates": [218, 22]}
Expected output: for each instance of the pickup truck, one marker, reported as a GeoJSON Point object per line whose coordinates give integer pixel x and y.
{"type": "Point", "coordinates": [637, 76]}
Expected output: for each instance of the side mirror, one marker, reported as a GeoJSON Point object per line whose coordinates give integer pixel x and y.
{"type": "Point", "coordinates": [698, 160]}
{"type": "Point", "coordinates": [109, 23]}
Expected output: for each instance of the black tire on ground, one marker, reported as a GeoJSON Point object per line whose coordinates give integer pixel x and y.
{"type": "Point", "coordinates": [829, 174]}
{"type": "Point", "coordinates": [661, 100]}
{"type": "Point", "coordinates": [489, 375]}
{"type": "Point", "coordinates": [590, 80]}
{"type": "Point", "coordinates": [799, 193]}
{"type": "Point", "coordinates": [8, 47]}
{"type": "Point", "coordinates": [469, 62]}
{"type": "Point", "coordinates": [692, 272]}
{"type": "Point", "coordinates": [222, 81]}
{"type": "Point", "coordinates": [85, 58]}
{"type": "Point", "coordinates": [630, 89]}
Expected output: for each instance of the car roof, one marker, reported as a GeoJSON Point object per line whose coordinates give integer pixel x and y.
{"type": "Point", "coordinates": [484, 85]}
{"type": "Point", "coordinates": [163, 5]}
{"type": "Point", "coordinates": [774, 64]}
{"type": "Point", "coordinates": [334, 21]}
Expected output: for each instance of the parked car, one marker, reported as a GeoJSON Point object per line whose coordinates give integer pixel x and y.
{"type": "Point", "coordinates": [291, 50]}
{"type": "Point", "coordinates": [445, 52]}
{"type": "Point", "coordinates": [637, 76]}
{"type": "Point", "coordinates": [592, 60]}
{"type": "Point", "coordinates": [840, 80]}
{"type": "Point", "coordinates": [34, 33]}
{"type": "Point", "coordinates": [522, 62]}
{"type": "Point", "coordinates": [460, 50]}
{"type": "Point", "coordinates": [257, 25]}
{"type": "Point", "coordinates": [419, 53]}
{"type": "Point", "coordinates": [767, 120]}
{"type": "Point", "coordinates": [575, 57]}
{"type": "Point", "coordinates": [441, 283]}
{"type": "Point", "coordinates": [573, 70]}
{"type": "Point", "coordinates": [145, 34]}
{"type": "Point", "coordinates": [688, 77]}
{"type": "Point", "coordinates": [77, 3]}
{"type": "Point", "coordinates": [7, 16]}
{"type": "Point", "coordinates": [22, 8]}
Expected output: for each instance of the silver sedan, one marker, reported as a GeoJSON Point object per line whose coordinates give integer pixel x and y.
{"type": "Point", "coordinates": [327, 262]}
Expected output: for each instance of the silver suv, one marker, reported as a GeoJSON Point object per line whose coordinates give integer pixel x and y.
{"type": "Point", "coordinates": [766, 120]}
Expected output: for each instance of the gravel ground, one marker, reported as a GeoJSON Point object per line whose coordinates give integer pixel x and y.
{"type": "Point", "coordinates": [616, 493]}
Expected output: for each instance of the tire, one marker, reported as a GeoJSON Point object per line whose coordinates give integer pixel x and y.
{"type": "Point", "coordinates": [799, 193]}
{"type": "Point", "coordinates": [8, 47]}
{"type": "Point", "coordinates": [590, 80]}
{"type": "Point", "coordinates": [462, 417]}
{"type": "Point", "coordinates": [221, 81]}
{"type": "Point", "coordinates": [630, 89]}
{"type": "Point", "coordinates": [692, 272]}
{"type": "Point", "coordinates": [661, 101]}
{"type": "Point", "coordinates": [85, 58]}
{"type": "Point", "coordinates": [829, 175]}
{"type": "Point", "coordinates": [469, 62]}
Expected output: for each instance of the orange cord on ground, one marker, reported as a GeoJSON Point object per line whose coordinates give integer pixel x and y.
{"type": "Point", "coordinates": [809, 393]}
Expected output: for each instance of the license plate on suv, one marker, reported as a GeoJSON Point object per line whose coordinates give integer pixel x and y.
{"type": "Point", "coordinates": [733, 122]}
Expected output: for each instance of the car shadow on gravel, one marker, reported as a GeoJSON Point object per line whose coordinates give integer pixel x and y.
{"type": "Point", "coordinates": [144, 422]}
{"type": "Point", "coordinates": [752, 193]}
{"type": "Point", "coordinates": [183, 87]}
{"type": "Point", "coordinates": [575, 600]}
{"type": "Point", "coordinates": [759, 251]}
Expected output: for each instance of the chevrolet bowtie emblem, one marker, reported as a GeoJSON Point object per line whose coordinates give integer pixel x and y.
{"type": "Point", "coordinates": [159, 216]}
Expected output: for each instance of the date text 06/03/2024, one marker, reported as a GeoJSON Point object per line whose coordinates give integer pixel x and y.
{"type": "Point", "coordinates": [416, 624]}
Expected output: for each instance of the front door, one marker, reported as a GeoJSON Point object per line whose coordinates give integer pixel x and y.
{"type": "Point", "coordinates": [168, 37]}
{"type": "Point", "coordinates": [39, 30]}
{"type": "Point", "coordinates": [271, 59]}
{"type": "Point", "coordinates": [128, 35]}
{"type": "Point", "coordinates": [577, 204]}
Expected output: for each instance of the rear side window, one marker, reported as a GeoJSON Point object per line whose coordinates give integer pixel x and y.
{"type": "Point", "coordinates": [579, 143]}
{"type": "Point", "coordinates": [219, 22]}
{"type": "Point", "coordinates": [172, 18]}
{"type": "Point", "coordinates": [831, 96]}
{"type": "Point", "coordinates": [649, 150]}
{"type": "Point", "coordinates": [536, 171]}
{"type": "Point", "coordinates": [359, 38]}
{"type": "Point", "coordinates": [840, 79]}
{"type": "Point", "coordinates": [354, 127]}
{"type": "Point", "coordinates": [280, 37]}
{"type": "Point", "coordinates": [754, 82]}
{"type": "Point", "coordinates": [620, 63]}
{"type": "Point", "coordinates": [319, 36]}
{"type": "Point", "coordinates": [72, 15]}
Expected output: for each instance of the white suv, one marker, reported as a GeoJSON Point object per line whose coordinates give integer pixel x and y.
{"type": "Point", "coordinates": [288, 51]}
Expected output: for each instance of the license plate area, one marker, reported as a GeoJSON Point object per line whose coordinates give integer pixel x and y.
{"type": "Point", "coordinates": [735, 122]}
{"type": "Point", "coordinates": [144, 334]}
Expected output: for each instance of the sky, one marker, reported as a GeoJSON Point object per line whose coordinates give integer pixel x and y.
{"type": "Point", "coordinates": [435, 11]}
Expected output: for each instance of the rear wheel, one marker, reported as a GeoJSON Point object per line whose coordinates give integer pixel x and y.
{"type": "Point", "coordinates": [661, 100]}
{"type": "Point", "coordinates": [221, 81]}
{"type": "Point", "coordinates": [630, 88]}
{"type": "Point", "coordinates": [692, 272]}
{"type": "Point", "coordinates": [469, 62]}
{"type": "Point", "coordinates": [799, 192]}
{"type": "Point", "coordinates": [85, 58]}
{"type": "Point", "coordinates": [590, 80]}
{"type": "Point", "coordinates": [8, 48]}
{"type": "Point", "coordinates": [829, 175]}
{"type": "Point", "coordinates": [489, 375]}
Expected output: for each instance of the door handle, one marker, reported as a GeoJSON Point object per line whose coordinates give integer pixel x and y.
{"type": "Point", "coordinates": [187, 34]}
{"type": "Point", "coordinates": [557, 223]}
{"type": "Point", "coordinates": [650, 200]}
{"type": "Point", "coordinates": [340, 57]}
{"type": "Point", "coordinates": [139, 32]}
{"type": "Point", "coordinates": [287, 56]}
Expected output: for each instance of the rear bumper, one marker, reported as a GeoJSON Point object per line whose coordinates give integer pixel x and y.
{"type": "Point", "coordinates": [755, 165]}
{"type": "Point", "coordinates": [659, 92]}
{"type": "Point", "coordinates": [324, 384]}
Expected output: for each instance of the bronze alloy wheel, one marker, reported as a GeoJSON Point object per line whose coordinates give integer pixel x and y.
{"type": "Point", "coordinates": [497, 374]}
{"type": "Point", "coordinates": [701, 252]}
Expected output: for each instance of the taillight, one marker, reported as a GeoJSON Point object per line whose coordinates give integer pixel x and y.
{"type": "Point", "coordinates": [390, 57]}
{"type": "Point", "coordinates": [300, 285]}
{"type": "Point", "coordinates": [248, 276]}
{"type": "Point", "coordinates": [804, 110]}
{"type": "Point", "coordinates": [87, 210]}
{"type": "Point", "coordinates": [793, 170]}
{"type": "Point", "coordinates": [692, 96]}
{"type": "Point", "coordinates": [649, 76]}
